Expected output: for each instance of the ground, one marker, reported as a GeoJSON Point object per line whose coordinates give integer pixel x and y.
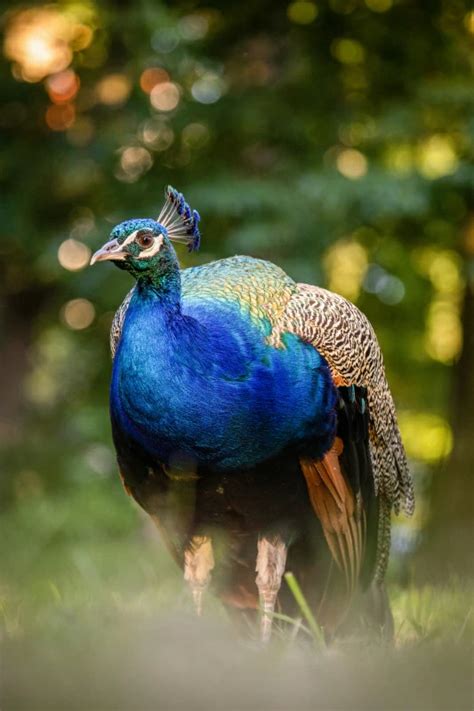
{"type": "Point", "coordinates": [95, 616]}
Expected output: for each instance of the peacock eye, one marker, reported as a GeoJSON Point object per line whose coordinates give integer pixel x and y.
{"type": "Point", "coordinates": [144, 239]}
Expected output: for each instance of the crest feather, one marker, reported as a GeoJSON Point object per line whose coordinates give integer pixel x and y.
{"type": "Point", "coordinates": [181, 223]}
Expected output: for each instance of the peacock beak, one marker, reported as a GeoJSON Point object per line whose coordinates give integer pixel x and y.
{"type": "Point", "coordinates": [110, 250]}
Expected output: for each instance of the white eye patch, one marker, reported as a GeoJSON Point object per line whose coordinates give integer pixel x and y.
{"type": "Point", "coordinates": [153, 249]}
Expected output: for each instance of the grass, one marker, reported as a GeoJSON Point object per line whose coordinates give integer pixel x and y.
{"type": "Point", "coordinates": [94, 615]}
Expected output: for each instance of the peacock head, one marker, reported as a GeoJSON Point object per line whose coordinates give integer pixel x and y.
{"type": "Point", "coordinates": [144, 246]}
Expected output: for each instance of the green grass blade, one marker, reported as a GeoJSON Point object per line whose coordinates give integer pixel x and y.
{"type": "Point", "coordinates": [305, 609]}
{"type": "Point", "coordinates": [294, 622]}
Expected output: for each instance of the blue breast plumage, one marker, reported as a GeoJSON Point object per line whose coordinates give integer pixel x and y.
{"type": "Point", "coordinates": [197, 375]}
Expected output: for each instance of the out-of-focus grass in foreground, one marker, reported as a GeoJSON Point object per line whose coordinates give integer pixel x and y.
{"type": "Point", "coordinates": [95, 616]}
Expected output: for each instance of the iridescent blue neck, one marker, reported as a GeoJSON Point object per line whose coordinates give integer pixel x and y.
{"type": "Point", "coordinates": [163, 287]}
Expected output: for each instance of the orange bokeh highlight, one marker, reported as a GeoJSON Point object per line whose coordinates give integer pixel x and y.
{"type": "Point", "coordinates": [41, 41]}
{"type": "Point", "coordinates": [113, 89]}
{"type": "Point", "coordinates": [151, 77]}
{"type": "Point", "coordinates": [62, 87]}
{"type": "Point", "coordinates": [60, 117]}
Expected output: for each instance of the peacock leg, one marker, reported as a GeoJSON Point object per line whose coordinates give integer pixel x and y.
{"type": "Point", "coordinates": [271, 561]}
{"type": "Point", "coordinates": [198, 563]}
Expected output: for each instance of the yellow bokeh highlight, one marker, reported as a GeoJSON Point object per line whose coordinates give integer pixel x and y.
{"type": "Point", "coordinates": [348, 51]}
{"type": "Point", "coordinates": [379, 5]}
{"type": "Point", "coordinates": [41, 41]}
{"type": "Point", "coordinates": [73, 255]}
{"type": "Point", "coordinates": [114, 89]}
{"type": "Point", "coordinates": [78, 314]}
{"type": "Point", "coordinates": [302, 12]}
{"type": "Point", "coordinates": [444, 271]}
{"type": "Point", "coordinates": [346, 264]}
{"type": "Point", "coordinates": [443, 332]}
{"type": "Point", "coordinates": [426, 436]}
{"type": "Point", "coordinates": [469, 22]}
{"type": "Point", "coordinates": [436, 157]}
{"type": "Point", "coordinates": [400, 158]}
{"type": "Point", "coordinates": [443, 339]}
{"type": "Point", "coordinates": [352, 164]}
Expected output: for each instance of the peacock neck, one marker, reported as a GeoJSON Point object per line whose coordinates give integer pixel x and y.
{"type": "Point", "coordinates": [164, 289]}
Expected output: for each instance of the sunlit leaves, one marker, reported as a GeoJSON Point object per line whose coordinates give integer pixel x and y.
{"type": "Point", "coordinates": [41, 41]}
{"type": "Point", "coordinates": [302, 12]}
{"type": "Point", "coordinates": [346, 264]}
{"type": "Point", "coordinates": [427, 436]}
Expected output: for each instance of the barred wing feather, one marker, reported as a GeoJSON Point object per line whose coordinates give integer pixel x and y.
{"type": "Point", "coordinates": [344, 336]}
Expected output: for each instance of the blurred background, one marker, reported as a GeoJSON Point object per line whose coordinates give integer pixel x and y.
{"type": "Point", "coordinates": [332, 137]}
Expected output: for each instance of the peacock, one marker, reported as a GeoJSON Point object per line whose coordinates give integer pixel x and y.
{"type": "Point", "coordinates": [252, 420]}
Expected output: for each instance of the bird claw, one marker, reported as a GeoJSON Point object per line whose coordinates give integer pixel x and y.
{"type": "Point", "coordinates": [271, 561]}
{"type": "Point", "coordinates": [198, 563]}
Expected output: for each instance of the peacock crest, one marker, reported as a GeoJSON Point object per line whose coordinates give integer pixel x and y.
{"type": "Point", "coordinates": [179, 220]}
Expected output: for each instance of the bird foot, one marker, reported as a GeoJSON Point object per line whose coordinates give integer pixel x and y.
{"type": "Point", "coordinates": [271, 561]}
{"type": "Point", "coordinates": [198, 563]}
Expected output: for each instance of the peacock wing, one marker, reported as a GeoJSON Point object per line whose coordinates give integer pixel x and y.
{"type": "Point", "coordinates": [344, 336]}
{"type": "Point", "coordinates": [257, 288]}
{"type": "Point", "coordinates": [341, 490]}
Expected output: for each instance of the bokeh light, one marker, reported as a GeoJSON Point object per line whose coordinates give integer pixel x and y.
{"type": "Point", "coordinates": [62, 87]}
{"type": "Point", "coordinates": [443, 332]}
{"type": "Point", "coordinates": [134, 162]}
{"type": "Point", "coordinates": [114, 89]}
{"type": "Point", "coordinates": [165, 96]}
{"type": "Point", "coordinates": [40, 41]}
{"type": "Point", "coordinates": [73, 255]}
{"type": "Point", "coordinates": [193, 27]}
{"type": "Point", "coordinates": [348, 51]}
{"type": "Point", "coordinates": [352, 164]}
{"type": "Point", "coordinates": [379, 5]}
{"type": "Point", "coordinates": [400, 158]}
{"type": "Point", "coordinates": [165, 40]}
{"type": "Point", "coordinates": [387, 287]}
{"type": "Point", "coordinates": [302, 12]}
{"type": "Point", "coordinates": [443, 338]}
{"type": "Point", "coordinates": [151, 77]}
{"type": "Point", "coordinates": [427, 436]}
{"type": "Point", "coordinates": [156, 134]}
{"type": "Point", "coordinates": [345, 263]}
{"type": "Point", "coordinates": [78, 314]}
{"type": "Point", "coordinates": [437, 157]}
{"type": "Point", "coordinates": [208, 89]}
{"type": "Point", "coordinates": [60, 118]}
{"type": "Point", "coordinates": [469, 22]}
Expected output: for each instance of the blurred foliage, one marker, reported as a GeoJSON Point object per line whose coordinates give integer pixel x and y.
{"type": "Point", "coordinates": [334, 138]}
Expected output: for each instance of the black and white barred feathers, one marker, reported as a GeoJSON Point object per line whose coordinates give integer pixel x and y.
{"type": "Point", "coordinates": [344, 336]}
